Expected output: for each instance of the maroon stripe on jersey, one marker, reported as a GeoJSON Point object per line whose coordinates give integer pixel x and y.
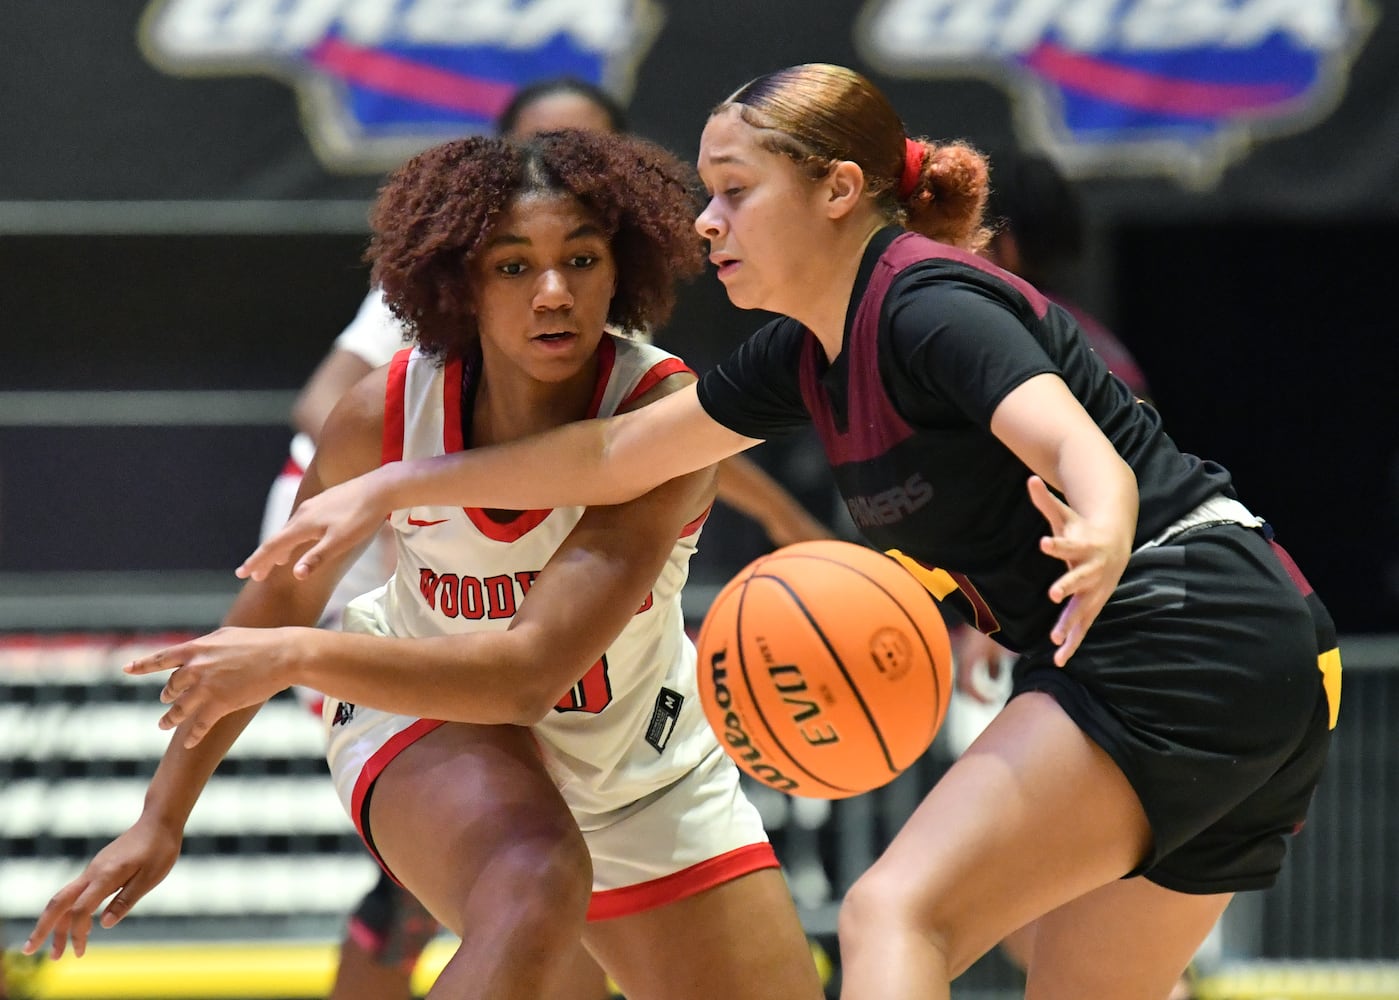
{"type": "Point", "coordinates": [873, 426]}
{"type": "Point", "coordinates": [391, 450]}
{"type": "Point", "coordinates": [1293, 571]}
{"type": "Point", "coordinates": [932, 249]}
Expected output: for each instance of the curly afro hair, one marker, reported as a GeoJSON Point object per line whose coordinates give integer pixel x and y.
{"type": "Point", "coordinates": [436, 213]}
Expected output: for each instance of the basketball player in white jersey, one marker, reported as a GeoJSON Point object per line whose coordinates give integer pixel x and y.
{"type": "Point", "coordinates": [534, 765]}
{"type": "Point", "coordinates": [388, 930]}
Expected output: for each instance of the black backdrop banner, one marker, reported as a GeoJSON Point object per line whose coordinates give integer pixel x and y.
{"type": "Point", "coordinates": [184, 186]}
{"type": "Point", "coordinates": [1206, 107]}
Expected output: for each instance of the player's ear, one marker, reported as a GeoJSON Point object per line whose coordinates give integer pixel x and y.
{"type": "Point", "coordinates": [844, 186]}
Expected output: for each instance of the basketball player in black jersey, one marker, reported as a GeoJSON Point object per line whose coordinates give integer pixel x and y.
{"type": "Point", "coordinates": [1177, 678]}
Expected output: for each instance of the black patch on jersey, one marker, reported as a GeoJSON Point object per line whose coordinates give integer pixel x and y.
{"type": "Point", "coordinates": [344, 712]}
{"type": "Point", "coordinates": [663, 718]}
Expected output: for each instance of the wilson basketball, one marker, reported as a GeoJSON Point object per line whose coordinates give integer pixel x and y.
{"type": "Point", "coordinates": [824, 668]}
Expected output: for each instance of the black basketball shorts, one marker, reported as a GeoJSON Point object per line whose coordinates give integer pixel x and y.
{"type": "Point", "coordinates": [1201, 680]}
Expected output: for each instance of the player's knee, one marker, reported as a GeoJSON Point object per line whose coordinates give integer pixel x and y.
{"type": "Point", "coordinates": [884, 910]}
{"type": "Point", "coordinates": [551, 868]}
{"type": "Point", "coordinates": [537, 880]}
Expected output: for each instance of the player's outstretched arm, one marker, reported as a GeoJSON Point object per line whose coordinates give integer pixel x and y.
{"type": "Point", "coordinates": [586, 463]}
{"type": "Point", "coordinates": [133, 864]}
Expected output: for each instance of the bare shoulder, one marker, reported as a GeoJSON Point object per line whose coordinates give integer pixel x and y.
{"type": "Point", "coordinates": [352, 442]}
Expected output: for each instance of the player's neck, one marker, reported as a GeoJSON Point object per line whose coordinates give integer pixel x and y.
{"type": "Point", "coordinates": [510, 408]}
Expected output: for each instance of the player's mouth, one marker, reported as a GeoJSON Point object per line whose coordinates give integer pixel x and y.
{"type": "Point", "coordinates": [725, 265]}
{"type": "Point", "coordinates": [555, 339]}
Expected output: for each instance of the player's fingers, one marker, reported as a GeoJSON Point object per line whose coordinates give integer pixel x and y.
{"type": "Point", "coordinates": [196, 731]}
{"type": "Point", "coordinates": [179, 684]}
{"type": "Point", "coordinates": [73, 916]}
{"type": "Point", "coordinates": [1066, 549]}
{"type": "Point", "coordinates": [1054, 510]}
{"type": "Point", "coordinates": [132, 893]}
{"type": "Point", "coordinates": [163, 659]}
{"type": "Point", "coordinates": [274, 551]}
{"type": "Point", "coordinates": [1066, 634]}
{"type": "Point", "coordinates": [312, 558]}
{"type": "Point", "coordinates": [179, 711]}
{"type": "Point", "coordinates": [1075, 580]}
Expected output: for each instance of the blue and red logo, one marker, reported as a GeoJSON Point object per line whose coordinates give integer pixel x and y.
{"type": "Point", "coordinates": [1117, 86]}
{"type": "Point", "coordinates": [380, 80]}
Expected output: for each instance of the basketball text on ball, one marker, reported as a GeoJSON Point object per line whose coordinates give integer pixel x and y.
{"type": "Point", "coordinates": [806, 708]}
{"type": "Point", "coordinates": [741, 746]}
{"type": "Point", "coordinates": [824, 669]}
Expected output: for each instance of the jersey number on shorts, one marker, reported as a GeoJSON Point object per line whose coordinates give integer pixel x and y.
{"type": "Point", "coordinates": [591, 694]}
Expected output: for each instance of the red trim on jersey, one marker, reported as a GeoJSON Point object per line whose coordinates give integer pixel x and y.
{"type": "Point", "coordinates": [606, 359]}
{"type": "Point", "coordinates": [683, 884]}
{"type": "Point", "coordinates": [375, 767]}
{"type": "Point", "coordinates": [391, 450]}
{"type": "Point", "coordinates": [451, 407]}
{"type": "Point", "coordinates": [697, 523]}
{"type": "Point", "coordinates": [291, 467]}
{"type": "Point", "coordinates": [509, 531]}
{"type": "Point", "coordinates": [658, 372]}
{"type": "Point", "coordinates": [527, 520]}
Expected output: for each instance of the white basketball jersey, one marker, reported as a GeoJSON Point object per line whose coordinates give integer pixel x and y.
{"type": "Point", "coordinates": [633, 724]}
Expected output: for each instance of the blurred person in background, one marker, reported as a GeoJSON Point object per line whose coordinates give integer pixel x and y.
{"type": "Point", "coordinates": [388, 931]}
{"type": "Point", "coordinates": [531, 817]}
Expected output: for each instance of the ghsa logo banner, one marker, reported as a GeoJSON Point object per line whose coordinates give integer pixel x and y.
{"type": "Point", "coordinates": [379, 80]}
{"type": "Point", "coordinates": [1181, 87]}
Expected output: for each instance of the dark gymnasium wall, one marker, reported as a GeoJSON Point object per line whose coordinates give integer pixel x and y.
{"type": "Point", "coordinates": [1258, 297]}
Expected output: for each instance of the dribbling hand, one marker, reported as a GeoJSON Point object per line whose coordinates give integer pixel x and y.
{"type": "Point", "coordinates": [1096, 559]}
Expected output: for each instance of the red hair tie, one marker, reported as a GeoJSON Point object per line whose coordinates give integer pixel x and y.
{"type": "Point", "coordinates": [913, 166]}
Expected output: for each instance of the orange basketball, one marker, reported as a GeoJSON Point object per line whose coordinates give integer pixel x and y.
{"type": "Point", "coordinates": [824, 668]}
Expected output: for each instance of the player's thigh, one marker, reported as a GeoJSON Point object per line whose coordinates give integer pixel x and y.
{"type": "Point", "coordinates": [1130, 940]}
{"type": "Point", "coordinates": [741, 940]}
{"type": "Point", "coordinates": [1032, 815]}
{"type": "Point", "coordinates": [467, 815]}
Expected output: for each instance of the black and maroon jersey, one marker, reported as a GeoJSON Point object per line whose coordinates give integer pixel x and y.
{"type": "Point", "coordinates": [935, 339]}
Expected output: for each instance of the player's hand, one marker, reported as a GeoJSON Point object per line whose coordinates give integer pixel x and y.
{"type": "Point", "coordinates": [1096, 558]}
{"type": "Point", "coordinates": [130, 866]}
{"type": "Point", "coordinates": [335, 520]}
{"type": "Point", "coordinates": [219, 673]}
{"type": "Point", "coordinates": [983, 665]}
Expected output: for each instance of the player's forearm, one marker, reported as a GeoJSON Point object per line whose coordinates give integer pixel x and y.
{"type": "Point", "coordinates": [563, 467]}
{"type": "Point", "coordinates": [1099, 485]}
{"type": "Point", "coordinates": [183, 773]}
{"type": "Point", "coordinates": [480, 678]}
